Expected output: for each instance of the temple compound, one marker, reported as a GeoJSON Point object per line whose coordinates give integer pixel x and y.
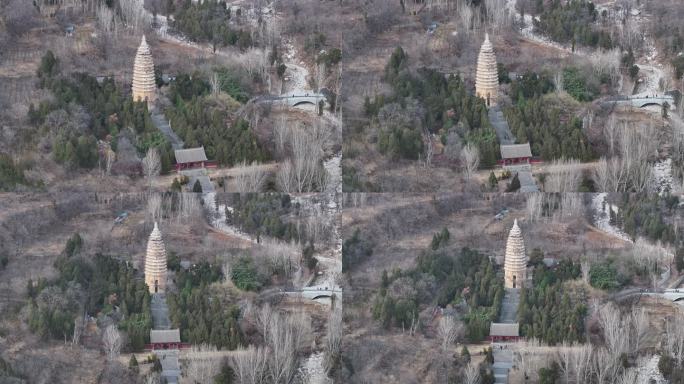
{"type": "Point", "coordinates": [155, 262]}
{"type": "Point", "coordinates": [487, 77]}
{"type": "Point", "coordinates": [144, 86]}
{"type": "Point", "coordinates": [515, 261]}
{"type": "Point", "coordinates": [508, 329]}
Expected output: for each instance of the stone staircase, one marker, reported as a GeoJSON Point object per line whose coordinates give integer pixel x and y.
{"type": "Point", "coordinates": [168, 358]}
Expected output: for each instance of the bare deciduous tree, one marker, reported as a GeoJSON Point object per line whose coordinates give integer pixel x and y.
{"type": "Point", "coordinates": [631, 170]}
{"type": "Point", "coordinates": [134, 15]}
{"type": "Point", "coordinates": [615, 331]}
{"type": "Point", "coordinates": [333, 340]}
{"type": "Point", "coordinates": [610, 133]}
{"type": "Point", "coordinates": [581, 362]}
{"type": "Point", "coordinates": [151, 165]}
{"type": "Point", "coordinates": [447, 331]}
{"type": "Point", "coordinates": [215, 84]}
{"type": "Point", "coordinates": [674, 339]}
{"type": "Point", "coordinates": [78, 330]}
{"type": "Point", "coordinates": [303, 172]}
{"type": "Point", "coordinates": [564, 354]}
{"type": "Point", "coordinates": [110, 158]}
{"type": "Point", "coordinates": [154, 207]}
{"type": "Point", "coordinates": [640, 326]}
{"type": "Point", "coordinates": [585, 266]}
{"type": "Point", "coordinates": [564, 176]}
{"type": "Point", "coordinates": [189, 209]}
{"type": "Point", "coordinates": [605, 366]}
{"type": "Point", "coordinates": [250, 365]}
{"type": "Point", "coordinates": [281, 133]}
{"type": "Point", "coordinates": [201, 364]}
{"type": "Point", "coordinates": [111, 341]}
{"type": "Point", "coordinates": [106, 20]}
{"type": "Point", "coordinates": [470, 160]}
{"type": "Point", "coordinates": [471, 374]}
{"type": "Point", "coordinates": [249, 178]}
{"type": "Point", "coordinates": [629, 376]}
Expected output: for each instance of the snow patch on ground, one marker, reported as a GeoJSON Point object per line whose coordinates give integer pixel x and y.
{"type": "Point", "coordinates": [312, 371]}
{"type": "Point", "coordinates": [648, 371]}
{"type": "Point", "coordinates": [217, 217]}
{"type": "Point", "coordinates": [663, 181]}
{"type": "Point", "coordinates": [333, 168]}
{"type": "Point", "coordinates": [296, 75]}
{"type": "Point", "coordinates": [601, 213]}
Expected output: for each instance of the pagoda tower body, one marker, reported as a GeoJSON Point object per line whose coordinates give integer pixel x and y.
{"type": "Point", "coordinates": [144, 85]}
{"type": "Point", "coordinates": [515, 262]}
{"type": "Point", "coordinates": [155, 262]}
{"type": "Point", "coordinates": [487, 78]}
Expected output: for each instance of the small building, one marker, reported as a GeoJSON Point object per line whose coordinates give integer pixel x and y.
{"type": "Point", "coordinates": [504, 332]}
{"type": "Point", "coordinates": [515, 154]}
{"type": "Point", "coordinates": [167, 78]}
{"type": "Point", "coordinates": [191, 158]}
{"type": "Point", "coordinates": [165, 339]}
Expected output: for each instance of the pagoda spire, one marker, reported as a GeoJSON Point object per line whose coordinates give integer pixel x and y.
{"type": "Point", "coordinates": [515, 262]}
{"type": "Point", "coordinates": [155, 262]}
{"type": "Point", "coordinates": [487, 77]}
{"type": "Point", "coordinates": [144, 85]}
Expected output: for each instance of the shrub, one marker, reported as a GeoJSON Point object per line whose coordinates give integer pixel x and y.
{"type": "Point", "coordinates": [10, 173]}
{"type": "Point", "coordinates": [197, 188]}
{"type": "Point", "coordinates": [355, 250]}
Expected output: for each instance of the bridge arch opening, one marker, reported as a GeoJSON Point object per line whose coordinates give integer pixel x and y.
{"type": "Point", "coordinates": [303, 102]}
{"type": "Point", "coordinates": [648, 104]}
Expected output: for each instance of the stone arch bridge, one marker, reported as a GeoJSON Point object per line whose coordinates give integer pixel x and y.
{"type": "Point", "coordinates": [641, 101]}
{"type": "Point", "coordinates": [295, 99]}
{"type": "Point", "coordinates": [674, 294]}
{"type": "Point", "coordinates": [314, 293]}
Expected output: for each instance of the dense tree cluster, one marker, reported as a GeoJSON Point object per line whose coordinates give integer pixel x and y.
{"type": "Point", "coordinates": [208, 21]}
{"type": "Point", "coordinates": [538, 123]}
{"type": "Point", "coordinates": [580, 86]}
{"type": "Point", "coordinates": [202, 121]}
{"type": "Point", "coordinates": [261, 214]}
{"type": "Point", "coordinates": [440, 278]}
{"type": "Point", "coordinates": [442, 104]}
{"type": "Point", "coordinates": [201, 316]}
{"type": "Point", "coordinates": [355, 250]}
{"type": "Point", "coordinates": [99, 284]}
{"type": "Point", "coordinates": [84, 110]}
{"type": "Point", "coordinates": [531, 85]}
{"type": "Point", "coordinates": [572, 22]}
{"type": "Point", "coordinates": [246, 276]}
{"type": "Point", "coordinates": [643, 215]}
{"type": "Point", "coordinates": [547, 311]}
{"type": "Point", "coordinates": [604, 276]}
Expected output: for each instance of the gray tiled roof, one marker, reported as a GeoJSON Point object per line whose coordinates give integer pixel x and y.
{"type": "Point", "coordinates": [513, 151]}
{"type": "Point", "coordinates": [165, 336]}
{"type": "Point", "coordinates": [190, 155]}
{"type": "Point", "coordinates": [504, 329]}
